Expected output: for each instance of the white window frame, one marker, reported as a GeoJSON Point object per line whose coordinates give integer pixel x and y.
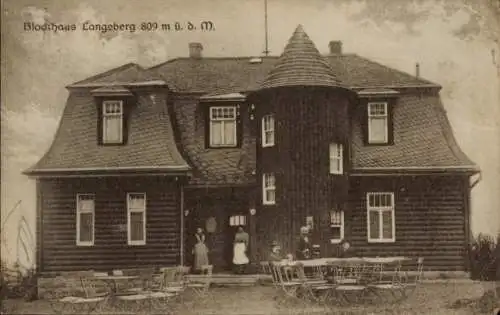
{"type": "Point", "coordinates": [238, 220]}
{"type": "Point", "coordinates": [266, 188]}
{"type": "Point", "coordinates": [108, 115]}
{"type": "Point", "coordinates": [129, 211]}
{"type": "Point", "coordinates": [223, 120]}
{"type": "Point", "coordinates": [371, 116]}
{"type": "Point", "coordinates": [380, 210]}
{"type": "Point", "coordinates": [341, 226]}
{"type": "Point", "coordinates": [268, 127]}
{"type": "Point", "coordinates": [336, 158]}
{"type": "Point", "coordinates": [78, 220]}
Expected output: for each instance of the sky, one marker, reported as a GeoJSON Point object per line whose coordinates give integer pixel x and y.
{"type": "Point", "coordinates": [454, 41]}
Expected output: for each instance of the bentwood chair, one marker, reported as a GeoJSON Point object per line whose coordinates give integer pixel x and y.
{"type": "Point", "coordinates": [201, 285]}
{"type": "Point", "coordinates": [402, 284]}
{"type": "Point", "coordinates": [285, 282]}
{"type": "Point", "coordinates": [79, 294]}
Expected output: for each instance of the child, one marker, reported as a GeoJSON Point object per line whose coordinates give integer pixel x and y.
{"type": "Point", "coordinates": [345, 250]}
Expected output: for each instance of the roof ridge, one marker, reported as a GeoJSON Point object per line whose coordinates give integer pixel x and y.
{"type": "Point", "coordinates": [211, 58]}
{"type": "Point", "coordinates": [394, 69]}
{"type": "Point", "coordinates": [108, 72]}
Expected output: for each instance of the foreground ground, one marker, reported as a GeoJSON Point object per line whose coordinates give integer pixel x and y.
{"type": "Point", "coordinates": [430, 298]}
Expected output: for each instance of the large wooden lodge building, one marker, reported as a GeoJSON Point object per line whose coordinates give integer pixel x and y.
{"type": "Point", "coordinates": [144, 156]}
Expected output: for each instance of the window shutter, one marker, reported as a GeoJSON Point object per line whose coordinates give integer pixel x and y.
{"type": "Point", "coordinates": [99, 120]}
{"type": "Point", "coordinates": [127, 108]}
{"type": "Point", "coordinates": [364, 120]}
{"type": "Point", "coordinates": [390, 121]}
{"type": "Point", "coordinates": [206, 120]}
{"type": "Point", "coordinates": [239, 125]}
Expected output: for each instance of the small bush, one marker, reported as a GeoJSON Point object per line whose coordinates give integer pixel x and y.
{"type": "Point", "coordinates": [18, 283]}
{"type": "Point", "coordinates": [484, 257]}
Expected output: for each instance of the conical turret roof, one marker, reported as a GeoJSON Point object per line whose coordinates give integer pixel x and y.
{"type": "Point", "coordinates": [301, 64]}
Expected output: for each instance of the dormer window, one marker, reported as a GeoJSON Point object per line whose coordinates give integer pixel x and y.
{"type": "Point", "coordinates": [268, 131]}
{"type": "Point", "coordinates": [112, 122]}
{"type": "Point", "coordinates": [223, 126]}
{"type": "Point", "coordinates": [378, 131]}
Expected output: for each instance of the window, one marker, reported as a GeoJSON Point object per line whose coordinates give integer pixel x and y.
{"type": "Point", "coordinates": [237, 220]}
{"type": "Point", "coordinates": [268, 131]}
{"type": "Point", "coordinates": [85, 210]}
{"type": "Point", "coordinates": [380, 213]}
{"type": "Point", "coordinates": [136, 218]}
{"type": "Point", "coordinates": [336, 226]}
{"type": "Point", "coordinates": [223, 126]}
{"type": "Point", "coordinates": [377, 123]}
{"type": "Point", "coordinates": [112, 122]}
{"type": "Point", "coordinates": [268, 189]}
{"type": "Point", "coordinates": [336, 160]}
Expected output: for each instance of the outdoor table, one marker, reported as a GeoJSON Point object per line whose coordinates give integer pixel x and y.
{"type": "Point", "coordinates": [385, 260]}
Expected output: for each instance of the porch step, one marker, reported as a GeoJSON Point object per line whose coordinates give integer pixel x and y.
{"type": "Point", "coordinates": [221, 279]}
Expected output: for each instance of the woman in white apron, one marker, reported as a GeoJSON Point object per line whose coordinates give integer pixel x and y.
{"type": "Point", "coordinates": [240, 258]}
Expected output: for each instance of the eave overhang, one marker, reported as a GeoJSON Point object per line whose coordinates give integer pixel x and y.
{"type": "Point", "coordinates": [105, 172]}
{"type": "Point", "coordinates": [415, 171]}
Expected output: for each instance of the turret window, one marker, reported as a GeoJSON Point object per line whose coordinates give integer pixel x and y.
{"type": "Point", "coordinates": [268, 131]}
{"type": "Point", "coordinates": [336, 158]}
{"type": "Point", "coordinates": [268, 189]}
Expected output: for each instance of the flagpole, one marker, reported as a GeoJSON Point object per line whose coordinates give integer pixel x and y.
{"type": "Point", "coordinates": [266, 51]}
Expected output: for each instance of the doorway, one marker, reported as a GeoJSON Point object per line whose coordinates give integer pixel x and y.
{"type": "Point", "coordinates": [234, 221]}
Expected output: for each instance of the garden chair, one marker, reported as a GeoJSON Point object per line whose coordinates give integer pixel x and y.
{"type": "Point", "coordinates": [201, 285]}
{"type": "Point", "coordinates": [147, 294]}
{"type": "Point", "coordinates": [172, 279]}
{"type": "Point", "coordinates": [349, 287]}
{"type": "Point", "coordinates": [285, 281]}
{"type": "Point", "coordinates": [79, 294]}
{"type": "Point", "coordinates": [401, 285]}
{"type": "Point", "coordinates": [315, 288]}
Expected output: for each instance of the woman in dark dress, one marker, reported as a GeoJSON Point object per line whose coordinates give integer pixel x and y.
{"type": "Point", "coordinates": [200, 251]}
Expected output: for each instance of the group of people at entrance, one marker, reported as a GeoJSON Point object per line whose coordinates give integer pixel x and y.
{"type": "Point", "coordinates": [240, 250]}
{"type": "Point", "coordinates": [304, 248]}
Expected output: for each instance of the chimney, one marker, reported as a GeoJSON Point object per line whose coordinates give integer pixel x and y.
{"type": "Point", "coordinates": [335, 47]}
{"type": "Point", "coordinates": [417, 70]}
{"type": "Point", "coordinates": [195, 50]}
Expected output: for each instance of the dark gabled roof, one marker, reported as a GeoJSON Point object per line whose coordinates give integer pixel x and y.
{"type": "Point", "coordinates": [237, 74]}
{"type": "Point", "coordinates": [130, 74]}
{"type": "Point", "coordinates": [75, 148]}
{"type": "Point", "coordinates": [423, 140]}
{"type": "Point", "coordinates": [301, 64]}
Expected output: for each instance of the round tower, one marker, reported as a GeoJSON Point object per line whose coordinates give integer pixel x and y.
{"type": "Point", "coordinates": [302, 110]}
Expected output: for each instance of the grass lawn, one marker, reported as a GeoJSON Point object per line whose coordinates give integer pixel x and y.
{"type": "Point", "coordinates": [436, 298]}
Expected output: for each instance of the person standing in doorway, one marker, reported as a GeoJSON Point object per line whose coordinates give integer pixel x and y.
{"type": "Point", "coordinates": [200, 251]}
{"type": "Point", "coordinates": [240, 258]}
{"type": "Point", "coordinates": [304, 248]}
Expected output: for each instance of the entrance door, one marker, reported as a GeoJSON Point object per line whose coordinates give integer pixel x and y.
{"type": "Point", "coordinates": [234, 221]}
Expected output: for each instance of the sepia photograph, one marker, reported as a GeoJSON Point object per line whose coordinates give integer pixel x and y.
{"type": "Point", "coordinates": [250, 157]}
